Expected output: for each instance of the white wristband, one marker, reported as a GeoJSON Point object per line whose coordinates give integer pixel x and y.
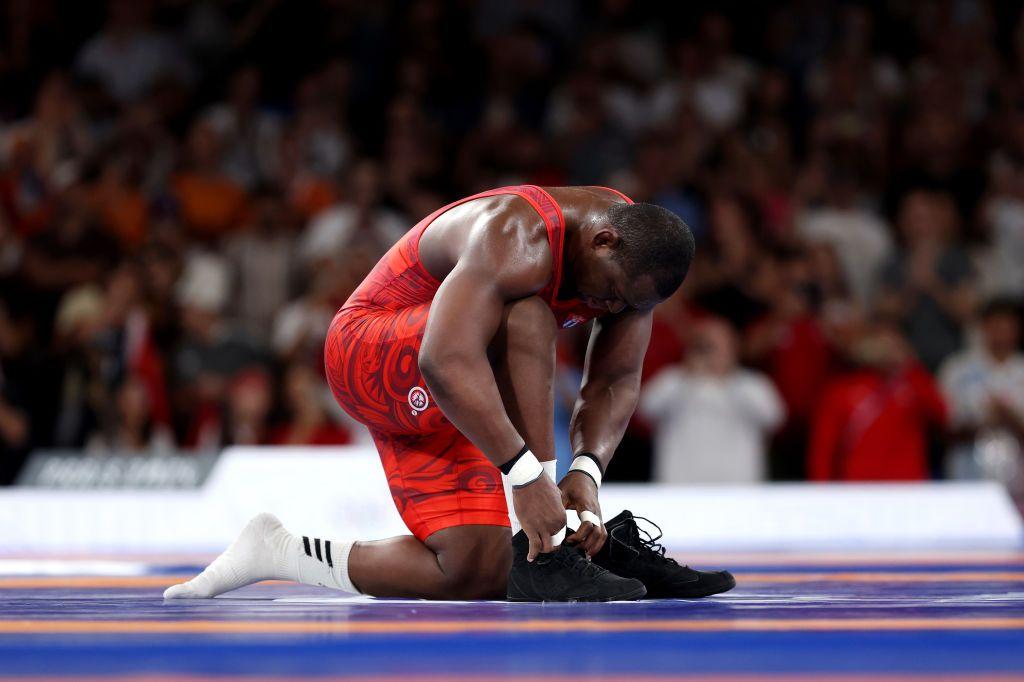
{"type": "Point", "coordinates": [591, 517]}
{"type": "Point", "coordinates": [525, 471]}
{"type": "Point", "coordinates": [559, 537]}
{"type": "Point", "coordinates": [587, 466]}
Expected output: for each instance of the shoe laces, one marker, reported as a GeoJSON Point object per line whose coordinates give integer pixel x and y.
{"type": "Point", "coordinates": [648, 544]}
{"type": "Point", "coordinates": [574, 560]}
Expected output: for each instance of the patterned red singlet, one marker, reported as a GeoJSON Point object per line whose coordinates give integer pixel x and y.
{"type": "Point", "coordinates": [437, 477]}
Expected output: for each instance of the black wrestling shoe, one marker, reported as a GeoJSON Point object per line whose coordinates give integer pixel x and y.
{"type": "Point", "coordinates": [564, 575]}
{"type": "Point", "coordinates": [627, 554]}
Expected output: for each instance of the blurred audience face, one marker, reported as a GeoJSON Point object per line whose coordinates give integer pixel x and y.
{"type": "Point", "coordinates": [730, 227]}
{"type": "Point", "coordinates": [1000, 330]}
{"type": "Point", "coordinates": [204, 147]}
{"type": "Point", "coordinates": [302, 390]}
{"type": "Point", "coordinates": [250, 398]}
{"type": "Point", "coordinates": [927, 218]}
{"type": "Point", "coordinates": [713, 348]}
{"type": "Point", "coordinates": [882, 347]}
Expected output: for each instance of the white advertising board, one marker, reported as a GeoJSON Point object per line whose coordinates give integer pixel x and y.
{"type": "Point", "coordinates": [342, 492]}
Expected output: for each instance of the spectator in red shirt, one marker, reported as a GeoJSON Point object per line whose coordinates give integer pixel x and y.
{"type": "Point", "coordinates": [873, 422]}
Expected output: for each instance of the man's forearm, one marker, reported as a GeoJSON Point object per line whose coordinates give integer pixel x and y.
{"type": "Point", "coordinates": [602, 413]}
{"type": "Point", "coordinates": [468, 396]}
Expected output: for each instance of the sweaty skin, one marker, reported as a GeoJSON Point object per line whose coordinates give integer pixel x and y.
{"type": "Point", "coordinates": [491, 252]}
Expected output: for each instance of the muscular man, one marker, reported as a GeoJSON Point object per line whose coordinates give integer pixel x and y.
{"type": "Point", "coordinates": [446, 352]}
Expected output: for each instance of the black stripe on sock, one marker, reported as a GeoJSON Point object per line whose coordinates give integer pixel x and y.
{"type": "Point", "coordinates": [327, 551]}
{"type": "Point", "coordinates": [305, 543]}
{"type": "Point", "coordinates": [316, 543]}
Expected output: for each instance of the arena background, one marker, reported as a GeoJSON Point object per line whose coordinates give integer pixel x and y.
{"type": "Point", "coordinates": [189, 190]}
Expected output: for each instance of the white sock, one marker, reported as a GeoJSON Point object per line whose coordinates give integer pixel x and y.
{"type": "Point", "coordinates": [266, 551]}
{"type": "Point", "coordinates": [324, 563]}
{"type": "Point", "coordinates": [550, 468]}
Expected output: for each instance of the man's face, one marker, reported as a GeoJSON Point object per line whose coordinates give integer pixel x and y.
{"type": "Point", "coordinates": [1001, 332]}
{"type": "Point", "coordinates": [601, 281]}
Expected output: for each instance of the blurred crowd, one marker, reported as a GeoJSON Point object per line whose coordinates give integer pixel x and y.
{"type": "Point", "coordinates": [190, 189]}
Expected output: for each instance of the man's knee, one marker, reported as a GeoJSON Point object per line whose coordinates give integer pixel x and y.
{"type": "Point", "coordinates": [476, 565]}
{"type": "Point", "coordinates": [477, 578]}
{"type": "Point", "coordinates": [529, 323]}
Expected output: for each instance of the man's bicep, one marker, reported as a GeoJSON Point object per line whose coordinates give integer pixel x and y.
{"type": "Point", "coordinates": [465, 314]}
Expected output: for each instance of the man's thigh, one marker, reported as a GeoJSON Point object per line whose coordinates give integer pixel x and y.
{"type": "Point", "coordinates": [371, 360]}
{"type": "Point", "coordinates": [441, 480]}
{"type": "Point", "coordinates": [437, 477]}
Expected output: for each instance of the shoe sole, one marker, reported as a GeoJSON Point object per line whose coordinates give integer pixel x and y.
{"type": "Point", "coordinates": [635, 595]}
{"type": "Point", "coordinates": [724, 587]}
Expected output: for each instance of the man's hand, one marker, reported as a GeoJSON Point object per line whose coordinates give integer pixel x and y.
{"type": "Point", "coordinates": [579, 492]}
{"type": "Point", "coordinates": [540, 512]}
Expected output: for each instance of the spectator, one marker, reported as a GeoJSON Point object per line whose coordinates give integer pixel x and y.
{"type": "Point", "coordinates": [249, 400]}
{"type": "Point", "coordinates": [212, 205]}
{"type": "Point", "coordinates": [263, 259]}
{"type": "Point", "coordinates": [929, 286]}
{"type": "Point", "coordinates": [308, 421]}
{"type": "Point", "coordinates": [984, 387]}
{"type": "Point", "coordinates": [791, 344]}
{"type": "Point", "coordinates": [854, 231]}
{"type": "Point", "coordinates": [210, 350]}
{"type": "Point", "coordinates": [1003, 214]}
{"type": "Point", "coordinates": [131, 428]}
{"type": "Point", "coordinates": [249, 134]}
{"type": "Point", "coordinates": [167, 227]}
{"type": "Point", "coordinates": [128, 56]}
{"type": "Point", "coordinates": [873, 422]}
{"type": "Point", "coordinates": [361, 219]}
{"type": "Point", "coordinates": [711, 418]}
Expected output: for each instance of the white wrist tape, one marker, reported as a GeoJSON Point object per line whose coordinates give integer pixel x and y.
{"type": "Point", "coordinates": [525, 471]}
{"type": "Point", "coordinates": [559, 537]}
{"type": "Point", "coordinates": [590, 516]}
{"type": "Point", "coordinates": [587, 466]}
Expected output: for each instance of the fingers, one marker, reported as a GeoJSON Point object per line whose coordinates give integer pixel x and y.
{"type": "Point", "coordinates": [535, 546]}
{"type": "Point", "coordinates": [595, 540]}
{"type": "Point", "coordinates": [581, 534]}
{"type": "Point", "coordinates": [546, 543]}
{"type": "Point", "coordinates": [590, 537]}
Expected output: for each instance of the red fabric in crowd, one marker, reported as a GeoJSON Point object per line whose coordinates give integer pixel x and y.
{"type": "Point", "coordinates": [800, 366]}
{"type": "Point", "coordinates": [873, 427]}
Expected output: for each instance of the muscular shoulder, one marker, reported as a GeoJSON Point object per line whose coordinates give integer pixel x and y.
{"type": "Point", "coordinates": [502, 235]}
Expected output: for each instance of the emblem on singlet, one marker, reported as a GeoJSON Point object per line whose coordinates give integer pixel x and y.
{"type": "Point", "coordinates": [572, 321]}
{"type": "Point", "coordinates": [418, 400]}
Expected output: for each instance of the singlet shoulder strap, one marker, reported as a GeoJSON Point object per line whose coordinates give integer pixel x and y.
{"type": "Point", "coordinates": [542, 202]}
{"type": "Point", "coordinates": [615, 191]}
{"type": "Point", "coordinates": [554, 221]}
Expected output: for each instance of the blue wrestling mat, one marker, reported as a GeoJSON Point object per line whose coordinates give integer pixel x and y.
{"type": "Point", "coordinates": [897, 616]}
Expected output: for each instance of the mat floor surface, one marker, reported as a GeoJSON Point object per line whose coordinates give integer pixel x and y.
{"type": "Point", "coordinates": [939, 615]}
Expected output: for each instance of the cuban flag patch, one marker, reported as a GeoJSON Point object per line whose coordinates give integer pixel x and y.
{"type": "Point", "coordinates": [572, 320]}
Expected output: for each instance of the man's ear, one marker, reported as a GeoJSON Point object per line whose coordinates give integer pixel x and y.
{"type": "Point", "coordinates": [606, 237]}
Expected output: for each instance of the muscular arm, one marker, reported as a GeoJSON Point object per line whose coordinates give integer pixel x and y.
{"type": "Point", "coordinates": [611, 383]}
{"type": "Point", "coordinates": [464, 317]}
{"type": "Point", "coordinates": [495, 267]}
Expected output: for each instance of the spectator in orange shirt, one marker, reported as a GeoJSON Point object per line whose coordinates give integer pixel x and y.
{"type": "Point", "coordinates": [873, 422]}
{"type": "Point", "coordinates": [211, 204]}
